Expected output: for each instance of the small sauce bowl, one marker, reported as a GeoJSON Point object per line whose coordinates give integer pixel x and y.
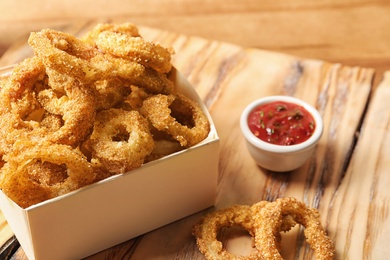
{"type": "Point", "coordinates": [275, 157]}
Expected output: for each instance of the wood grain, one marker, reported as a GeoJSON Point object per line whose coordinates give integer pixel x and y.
{"type": "Point", "coordinates": [351, 32]}
{"type": "Point", "coordinates": [363, 195]}
{"type": "Point", "coordinates": [346, 179]}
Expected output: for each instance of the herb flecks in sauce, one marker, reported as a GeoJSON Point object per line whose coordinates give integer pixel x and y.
{"type": "Point", "coordinates": [281, 123]}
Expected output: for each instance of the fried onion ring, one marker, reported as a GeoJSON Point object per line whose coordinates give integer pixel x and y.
{"type": "Point", "coordinates": [76, 107]}
{"type": "Point", "coordinates": [18, 102]}
{"type": "Point", "coordinates": [64, 55]}
{"type": "Point", "coordinates": [149, 54]}
{"type": "Point", "coordinates": [154, 82]}
{"type": "Point", "coordinates": [27, 169]}
{"type": "Point", "coordinates": [206, 231]}
{"type": "Point", "coordinates": [26, 97]}
{"type": "Point", "coordinates": [124, 28]}
{"type": "Point", "coordinates": [110, 93]}
{"type": "Point", "coordinates": [17, 94]}
{"type": "Point", "coordinates": [24, 77]}
{"type": "Point", "coordinates": [264, 221]}
{"type": "Point", "coordinates": [207, 228]}
{"type": "Point", "coordinates": [121, 140]}
{"type": "Point", "coordinates": [268, 225]}
{"type": "Point", "coordinates": [134, 100]}
{"type": "Point", "coordinates": [178, 116]}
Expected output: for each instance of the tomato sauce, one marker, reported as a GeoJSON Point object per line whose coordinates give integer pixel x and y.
{"type": "Point", "coordinates": [281, 123]}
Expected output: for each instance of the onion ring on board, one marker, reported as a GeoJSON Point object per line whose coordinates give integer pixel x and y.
{"type": "Point", "coordinates": [207, 228]}
{"type": "Point", "coordinates": [268, 225]}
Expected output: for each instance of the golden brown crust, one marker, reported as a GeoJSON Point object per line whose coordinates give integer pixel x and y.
{"type": "Point", "coordinates": [178, 116]}
{"type": "Point", "coordinates": [121, 140]}
{"type": "Point", "coordinates": [35, 172]}
{"type": "Point", "coordinates": [264, 221]}
{"type": "Point", "coordinates": [151, 55]}
{"type": "Point", "coordinates": [82, 97]}
{"type": "Point", "coordinates": [206, 231]}
{"type": "Point", "coordinates": [269, 225]}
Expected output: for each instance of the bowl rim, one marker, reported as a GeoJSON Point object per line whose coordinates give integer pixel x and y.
{"type": "Point", "coordinates": [275, 148]}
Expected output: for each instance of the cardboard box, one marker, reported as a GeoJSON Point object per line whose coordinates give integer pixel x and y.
{"type": "Point", "coordinates": [121, 207]}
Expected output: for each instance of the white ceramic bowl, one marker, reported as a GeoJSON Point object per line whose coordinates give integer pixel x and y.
{"type": "Point", "coordinates": [280, 158]}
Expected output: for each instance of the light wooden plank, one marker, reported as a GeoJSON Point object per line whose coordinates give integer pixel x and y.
{"type": "Point", "coordinates": [228, 77]}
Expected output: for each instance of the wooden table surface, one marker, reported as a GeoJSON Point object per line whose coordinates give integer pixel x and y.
{"type": "Point", "coordinates": [334, 54]}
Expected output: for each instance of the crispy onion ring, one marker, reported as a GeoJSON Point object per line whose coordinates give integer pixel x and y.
{"type": "Point", "coordinates": [76, 106]}
{"type": "Point", "coordinates": [64, 55]}
{"type": "Point", "coordinates": [124, 28]}
{"type": "Point", "coordinates": [178, 116]}
{"type": "Point", "coordinates": [110, 93]}
{"type": "Point", "coordinates": [121, 140]}
{"type": "Point", "coordinates": [21, 170]}
{"type": "Point", "coordinates": [149, 54]}
{"type": "Point", "coordinates": [207, 228]}
{"type": "Point", "coordinates": [268, 225]}
{"type": "Point", "coordinates": [27, 101]}
{"type": "Point", "coordinates": [264, 221]}
{"type": "Point", "coordinates": [24, 77]}
{"type": "Point", "coordinates": [206, 231]}
{"type": "Point", "coordinates": [17, 92]}
{"type": "Point", "coordinates": [18, 102]}
{"type": "Point", "coordinates": [134, 100]}
{"type": "Point", "coordinates": [154, 82]}
{"type": "Point", "coordinates": [22, 114]}
{"type": "Point", "coordinates": [132, 73]}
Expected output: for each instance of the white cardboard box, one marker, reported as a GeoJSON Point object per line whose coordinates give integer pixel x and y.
{"type": "Point", "coordinates": [121, 207]}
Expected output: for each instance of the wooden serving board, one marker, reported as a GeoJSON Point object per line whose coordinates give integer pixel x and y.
{"type": "Point", "coordinates": [347, 178]}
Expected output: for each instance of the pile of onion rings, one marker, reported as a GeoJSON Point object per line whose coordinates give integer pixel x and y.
{"type": "Point", "coordinates": [83, 109]}
{"type": "Point", "coordinates": [264, 221]}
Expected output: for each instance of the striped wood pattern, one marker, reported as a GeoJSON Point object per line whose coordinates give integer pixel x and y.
{"type": "Point", "coordinates": [346, 178]}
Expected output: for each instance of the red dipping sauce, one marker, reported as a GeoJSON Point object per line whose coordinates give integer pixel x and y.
{"type": "Point", "coordinates": [281, 123]}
